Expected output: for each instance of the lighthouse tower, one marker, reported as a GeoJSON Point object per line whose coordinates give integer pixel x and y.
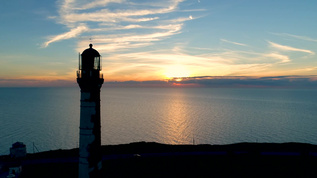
{"type": "Point", "coordinates": [90, 81]}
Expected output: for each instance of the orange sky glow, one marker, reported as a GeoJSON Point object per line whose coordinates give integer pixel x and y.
{"type": "Point", "coordinates": [167, 40]}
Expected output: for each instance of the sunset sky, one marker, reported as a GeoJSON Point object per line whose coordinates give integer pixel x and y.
{"type": "Point", "coordinates": [142, 40]}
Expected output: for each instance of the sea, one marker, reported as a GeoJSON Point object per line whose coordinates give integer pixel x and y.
{"type": "Point", "coordinates": [48, 118]}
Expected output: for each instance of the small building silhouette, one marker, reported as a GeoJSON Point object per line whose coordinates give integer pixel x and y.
{"type": "Point", "coordinates": [18, 150]}
{"type": "Point", "coordinates": [15, 171]}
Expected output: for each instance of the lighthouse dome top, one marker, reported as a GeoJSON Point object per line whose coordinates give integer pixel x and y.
{"type": "Point", "coordinates": [90, 52]}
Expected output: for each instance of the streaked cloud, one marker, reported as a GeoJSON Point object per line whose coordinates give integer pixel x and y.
{"type": "Point", "coordinates": [278, 56]}
{"type": "Point", "coordinates": [311, 69]}
{"type": "Point", "coordinates": [232, 42]}
{"type": "Point", "coordinates": [306, 69]}
{"type": "Point", "coordinates": [296, 36]}
{"type": "Point", "coordinates": [71, 34]}
{"type": "Point", "coordinates": [101, 19]}
{"type": "Point", "coordinates": [289, 48]}
{"type": "Point", "coordinates": [114, 42]}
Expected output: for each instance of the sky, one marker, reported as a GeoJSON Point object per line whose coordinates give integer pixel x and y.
{"type": "Point", "coordinates": [173, 41]}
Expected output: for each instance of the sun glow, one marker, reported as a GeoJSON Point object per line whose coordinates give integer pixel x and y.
{"type": "Point", "coordinates": [176, 71]}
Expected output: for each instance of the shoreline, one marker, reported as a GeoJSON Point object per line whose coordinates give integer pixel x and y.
{"type": "Point", "coordinates": [154, 147]}
{"type": "Point", "coordinates": [147, 159]}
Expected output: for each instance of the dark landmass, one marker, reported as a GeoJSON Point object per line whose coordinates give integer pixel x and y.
{"type": "Point", "coordinates": [145, 159]}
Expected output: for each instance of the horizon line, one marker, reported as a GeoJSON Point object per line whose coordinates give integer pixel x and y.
{"type": "Point", "coordinates": [293, 81]}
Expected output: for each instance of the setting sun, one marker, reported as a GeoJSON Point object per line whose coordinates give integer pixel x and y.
{"type": "Point", "coordinates": [176, 71]}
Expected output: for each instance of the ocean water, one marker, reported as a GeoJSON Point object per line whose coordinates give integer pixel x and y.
{"type": "Point", "coordinates": [49, 117]}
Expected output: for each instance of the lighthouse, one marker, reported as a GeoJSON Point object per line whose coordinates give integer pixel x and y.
{"type": "Point", "coordinates": [90, 81]}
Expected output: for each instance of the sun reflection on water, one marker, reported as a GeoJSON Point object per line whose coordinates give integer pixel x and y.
{"type": "Point", "coordinates": [176, 128]}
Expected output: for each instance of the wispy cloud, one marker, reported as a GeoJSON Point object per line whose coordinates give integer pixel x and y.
{"type": "Point", "coordinates": [102, 18]}
{"type": "Point", "coordinates": [232, 42]}
{"type": "Point", "coordinates": [114, 42]}
{"type": "Point", "coordinates": [311, 69]}
{"type": "Point", "coordinates": [281, 57]}
{"type": "Point", "coordinates": [307, 69]}
{"type": "Point", "coordinates": [289, 48]}
{"type": "Point", "coordinates": [71, 34]}
{"type": "Point", "coordinates": [296, 36]}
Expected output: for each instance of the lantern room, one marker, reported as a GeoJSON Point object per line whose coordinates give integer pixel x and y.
{"type": "Point", "coordinates": [89, 64]}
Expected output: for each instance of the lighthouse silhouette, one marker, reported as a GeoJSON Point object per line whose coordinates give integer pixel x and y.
{"type": "Point", "coordinates": [90, 81]}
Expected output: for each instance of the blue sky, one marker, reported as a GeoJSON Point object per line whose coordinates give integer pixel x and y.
{"type": "Point", "coordinates": [157, 40]}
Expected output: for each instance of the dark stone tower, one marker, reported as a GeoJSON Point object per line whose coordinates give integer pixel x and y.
{"type": "Point", "coordinates": [90, 81]}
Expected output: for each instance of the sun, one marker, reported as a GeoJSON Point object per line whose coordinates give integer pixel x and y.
{"type": "Point", "coordinates": [176, 71]}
